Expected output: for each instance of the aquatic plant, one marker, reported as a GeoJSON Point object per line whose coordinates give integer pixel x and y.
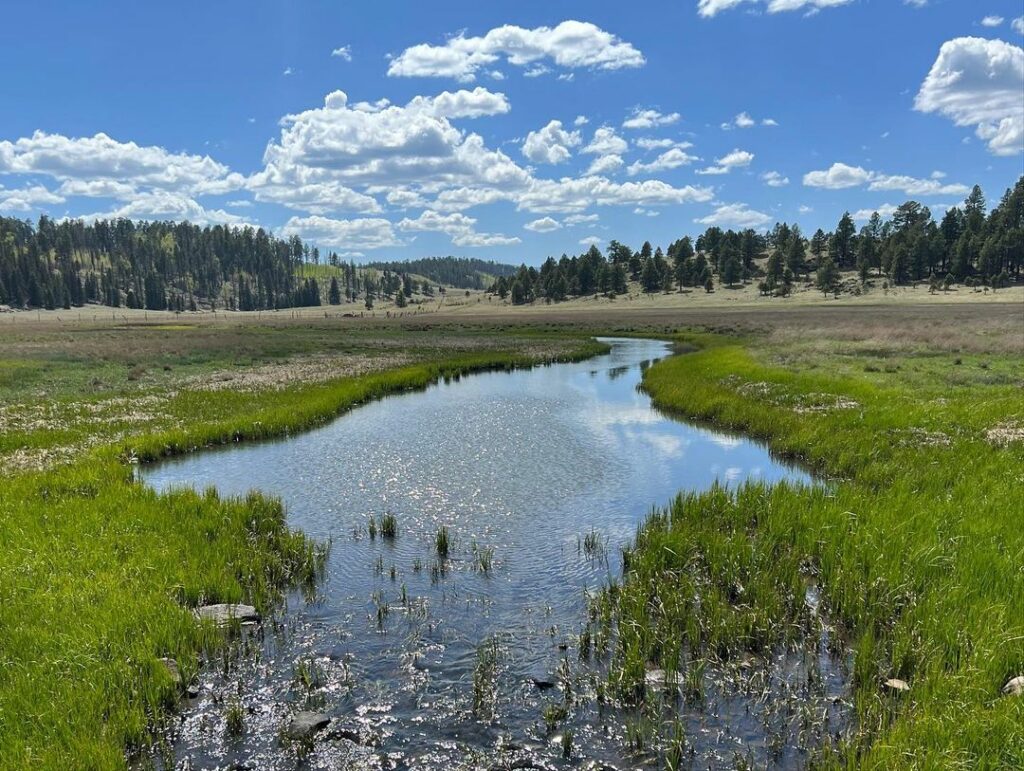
{"type": "Point", "coordinates": [442, 542]}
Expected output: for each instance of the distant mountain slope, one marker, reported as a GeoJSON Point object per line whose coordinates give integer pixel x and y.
{"type": "Point", "coordinates": [459, 272]}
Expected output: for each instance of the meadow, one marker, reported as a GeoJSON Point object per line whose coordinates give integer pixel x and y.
{"type": "Point", "coordinates": [914, 543]}
{"type": "Point", "coordinates": [98, 573]}
{"type": "Point", "coordinates": [912, 412]}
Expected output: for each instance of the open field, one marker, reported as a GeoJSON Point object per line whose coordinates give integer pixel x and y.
{"type": "Point", "coordinates": [914, 408]}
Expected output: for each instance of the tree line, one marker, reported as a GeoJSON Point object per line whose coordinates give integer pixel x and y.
{"type": "Point", "coordinates": [968, 245]}
{"type": "Point", "coordinates": [179, 266]}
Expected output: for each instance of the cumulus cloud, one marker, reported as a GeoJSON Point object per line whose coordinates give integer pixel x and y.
{"type": "Point", "coordinates": [670, 159]}
{"type": "Point", "coordinates": [590, 241]}
{"type": "Point", "coordinates": [837, 177]}
{"type": "Point", "coordinates": [840, 176]}
{"type": "Point", "coordinates": [100, 157]}
{"type": "Point", "coordinates": [606, 142]}
{"type": "Point", "coordinates": [737, 159]}
{"type": "Point", "coordinates": [774, 179]}
{"type": "Point", "coordinates": [735, 215]}
{"type": "Point", "coordinates": [550, 144]}
{"type": "Point", "coordinates": [28, 198]}
{"type": "Point", "coordinates": [543, 225]}
{"type": "Point", "coordinates": [571, 44]}
{"type": "Point", "coordinates": [363, 233]}
{"type": "Point", "coordinates": [885, 211]}
{"type": "Point", "coordinates": [1018, 25]}
{"type": "Point", "coordinates": [992, 21]}
{"type": "Point", "coordinates": [575, 195]}
{"type": "Point", "coordinates": [978, 82]}
{"type": "Point", "coordinates": [605, 164]}
{"type": "Point", "coordinates": [650, 143]}
{"type": "Point", "coordinates": [581, 120]}
{"type": "Point", "coordinates": [343, 52]}
{"type": "Point", "coordinates": [167, 205]}
{"type": "Point", "coordinates": [460, 227]}
{"type": "Point", "coordinates": [342, 145]}
{"type": "Point", "coordinates": [581, 219]}
{"type": "Point", "coordinates": [645, 119]}
{"type": "Point", "coordinates": [709, 8]}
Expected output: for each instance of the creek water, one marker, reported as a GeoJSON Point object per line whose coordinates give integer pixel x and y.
{"type": "Point", "coordinates": [521, 466]}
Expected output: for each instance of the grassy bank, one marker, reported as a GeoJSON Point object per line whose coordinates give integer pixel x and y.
{"type": "Point", "coordinates": [916, 544]}
{"type": "Point", "coordinates": [98, 574]}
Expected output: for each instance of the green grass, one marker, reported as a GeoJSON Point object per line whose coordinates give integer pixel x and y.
{"type": "Point", "coordinates": [917, 541]}
{"type": "Point", "coordinates": [98, 573]}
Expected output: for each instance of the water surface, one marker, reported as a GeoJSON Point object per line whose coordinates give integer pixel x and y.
{"type": "Point", "coordinates": [525, 464]}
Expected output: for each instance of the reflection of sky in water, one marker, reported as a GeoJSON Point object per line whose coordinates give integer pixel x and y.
{"type": "Point", "coordinates": [524, 462]}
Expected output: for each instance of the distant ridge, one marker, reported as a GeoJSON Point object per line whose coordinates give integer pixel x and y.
{"type": "Point", "coordinates": [459, 272]}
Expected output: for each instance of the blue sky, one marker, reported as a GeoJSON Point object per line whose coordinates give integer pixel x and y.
{"type": "Point", "coordinates": [506, 130]}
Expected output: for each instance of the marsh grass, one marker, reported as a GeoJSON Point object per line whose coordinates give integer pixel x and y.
{"type": "Point", "coordinates": [485, 676]}
{"type": "Point", "coordinates": [912, 544]}
{"type": "Point", "coordinates": [442, 542]}
{"type": "Point", "coordinates": [99, 574]}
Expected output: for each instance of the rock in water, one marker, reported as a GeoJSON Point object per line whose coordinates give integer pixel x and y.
{"type": "Point", "coordinates": [895, 684]}
{"type": "Point", "coordinates": [305, 725]}
{"type": "Point", "coordinates": [222, 613]}
{"type": "Point", "coordinates": [1015, 686]}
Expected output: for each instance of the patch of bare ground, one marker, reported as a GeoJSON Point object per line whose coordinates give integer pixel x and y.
{"type": "Point", "coordinates": [1005, 433]}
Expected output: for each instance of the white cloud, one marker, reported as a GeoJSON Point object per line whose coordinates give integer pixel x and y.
{"type": "Point", "coordinates": [709, 8]}
{"type": "Point", "coordinates": [550, 144]}
{"type": "Point", "coordinates": [575, 195]}
{"type": "Point", "coordinates": [605, 164]}
{"type": "Point", "coordinates": [645, 119]}
{"type": "Point", "coordinates": [571, 44]}
{"type": "Point", "coordinates": [992, 21]}
{"type": "Point", "coordinates": [840, 176]}
{"type": "Point", "coordinates": [914, 186]}
{"type": "Point", "coordinates": [670, 159]}
{"type": "Point", "coordinates": [405, 199]}
{"type": "Point", "coordinates": [978, 82]}
{"type": "Point", "coordinates": [365, 233]}
{"type": "Point", "coordinates": [805, 209]}
{"type": "Point", "coordinates": [774, 179]}
{"type": "Point", "coordinates": [99, 157]}
{"type": "Point", "coordinates": [646, 212]}
{"type": "Point", "coordinates": [886, 210]}
{"type": "Point", "coordinates": [581, 120]}
{"type": "Point", "coordinates": [1018, 25]}
{"type": "Point", "coordinates": [606, 142]}
{"type": "Point", "coordinates": [744, 121]}
{"type": "Point", "coordinates": [649, 143]}
{"type": "Point", "coordinates": [837, 177]}
{"type": "Point", "coordinates": [97, 188]}
{"type": "Point", "coordinates": [344, 52]}
{"type": "Point", "coordinates": [735, 160]}
{"type": "Point", "coordinates": [28, 199]}
{"type": "Point", "coordinates": [496, 75]}
{"type": "Point", "coordinates": [581, 219]}
{"type": "Point", "coordinates": [536, 71]}
{"type": "Point", "coordinates": [735, 215]}
{"type": "Point", "coordinates": [543, 225]}
{"type": "Point", "coordinates": [288, 71]}
{"type": "Point", "coordinates": [769, 122]}
{"type": "Point", "coordinates": [389, 146]}
{"type": "Point", "coordinates": [590, 241]}
{"type": "Point", "coordinates": [166, 205]}
{"type": "Point", "coordinates": [460, 227]}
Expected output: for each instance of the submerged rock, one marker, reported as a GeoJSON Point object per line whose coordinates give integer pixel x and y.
{"type": "Point", "coordinates": [897, 685]}
{"type": "Point", "coordinates": [542, 684]}
{"type": "Point", "coordinates": [1015, 686]}
{"type": "Point", "coordinates": [223, 613]}
{"type": "Point", "coordinates": [305, 725]}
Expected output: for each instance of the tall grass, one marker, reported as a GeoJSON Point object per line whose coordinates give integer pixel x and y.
{"type": "Point", "coordinates": [98, 573]}
{"type": "Point", "coordinates": [917, 545]}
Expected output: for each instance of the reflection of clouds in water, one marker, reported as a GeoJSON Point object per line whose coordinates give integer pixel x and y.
{"type": "Point", "coordinates": [609, 415]}
{"type": "Point", "coordinates": [667, 446]}
{"type": "Point", "coordinates": [733, 473]}
{"type": "Point", "coordinates": [723, 441]}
